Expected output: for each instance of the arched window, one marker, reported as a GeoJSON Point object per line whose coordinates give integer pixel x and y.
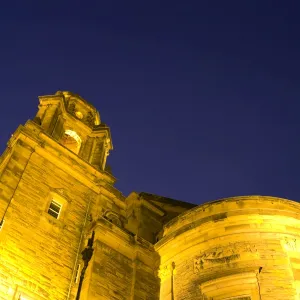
{"type": "Point", "coordinates": [241, 286]}
{"type": "Point", "coordinates": [113, 218]}
{"type": "Point", "coordinates": [71, 140]}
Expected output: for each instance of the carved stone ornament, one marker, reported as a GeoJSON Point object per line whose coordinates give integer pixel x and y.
{"type": "Point", "coordinates": [72, 108]}
{"type": "Point", "coordinates": [107, 146]}
{"type": "Point", "coordinates": [222, 255]}
{"type": "Point", "coordinates": [290, 244]}
{"type": "Point", "coordinates": [63, 193]}
{"type": "Point", "coordinates": [89, 119]}
{"type": "Point", "coordinates": [113, 218]}
{"type": "Point", "coordinates": [165, 272]}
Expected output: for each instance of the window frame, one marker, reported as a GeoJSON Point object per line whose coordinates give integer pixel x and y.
{"type": "Point", "coordinates": [58, 198]}
{"type": "Point", "coordinates": [231, 287]}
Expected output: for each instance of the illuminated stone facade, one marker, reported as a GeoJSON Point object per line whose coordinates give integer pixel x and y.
{"type": "Point", "coordinates": [234, 248]}
{"type": "Point", "coordinates": [57, 193]}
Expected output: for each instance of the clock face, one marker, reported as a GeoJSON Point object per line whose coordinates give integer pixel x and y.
{"type": "Point", "coordinates": [79, 115]}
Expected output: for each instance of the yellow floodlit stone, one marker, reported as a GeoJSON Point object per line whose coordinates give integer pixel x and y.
{"type": "Point", "coordinates": [57, 191]}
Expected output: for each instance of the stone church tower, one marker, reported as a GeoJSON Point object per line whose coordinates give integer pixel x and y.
{"type": "Point", "coordinates": [67, 233]}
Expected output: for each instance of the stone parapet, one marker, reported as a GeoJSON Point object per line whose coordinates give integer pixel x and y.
{"type": "Point", "coordinates": [236, 247]}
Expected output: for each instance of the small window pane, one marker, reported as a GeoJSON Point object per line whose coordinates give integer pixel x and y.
{"type": "Point", "coordinates": [54, 209]}
{"type": "Point", "coordinates": [55, 206]}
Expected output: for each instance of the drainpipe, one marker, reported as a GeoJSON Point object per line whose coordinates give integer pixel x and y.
{"type": "Point", "coordinates": [172, 279]}
{"type": "Point", "coordinates": [78, 249]}
{"type": "Point", "coordinates": [258, 283]}
{"type": "Point", "coordinates": [87, 254]}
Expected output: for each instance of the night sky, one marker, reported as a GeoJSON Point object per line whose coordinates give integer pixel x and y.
{"type": "Point", "coordinates": [202, 97]}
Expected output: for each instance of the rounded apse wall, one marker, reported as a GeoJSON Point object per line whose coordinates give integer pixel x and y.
{"type": "Point", "coordinates": [234, 248]}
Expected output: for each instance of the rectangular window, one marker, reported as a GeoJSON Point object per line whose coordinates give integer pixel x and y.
{"type": "Point", "coordinates": [54, 209]}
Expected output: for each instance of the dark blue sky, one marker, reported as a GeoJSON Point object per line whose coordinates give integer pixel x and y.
{"type": "Point", "coordinates": [202, 97]}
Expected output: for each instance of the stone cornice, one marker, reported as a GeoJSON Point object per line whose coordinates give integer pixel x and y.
{"type": "Point", "coordinates": [234, 206]}
{"type": "Point", "coordinates": [152, 208]}
{"type": "Point", "coordinates": [122, 240]}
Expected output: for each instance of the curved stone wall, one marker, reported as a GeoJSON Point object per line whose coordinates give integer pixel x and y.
{"type": "Point", "coordinates": [234, 248]}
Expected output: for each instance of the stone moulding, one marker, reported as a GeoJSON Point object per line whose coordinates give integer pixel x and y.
{"type": "Point", "coordinates": [165, 272]}
{"type": "Point", "coordinates": [242, 286]}
{"type": "Point", "coordinates": [291, 244]}
{"type": "Point", "coordinates": [223, 255]}
{"type": "Point", "coordinates": [224, 209]}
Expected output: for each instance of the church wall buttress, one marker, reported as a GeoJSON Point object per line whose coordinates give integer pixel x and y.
{"type": "Point", "coordinates": [58, 128]}
{"type": "Point", "coordinates": [49, 119]}
{"type": "Point", "coordinates": [111, 274]}
{"type": "Point", "coordinates": [122, 268]}
{"type": "Point", "coordinates": [97, 153]}
{"type": "Point", "coordinates": [147, 283]}
{"type": "Point", "coordinates": [87, 149]}
{"type": "Point", "coordinates": [53, 122]}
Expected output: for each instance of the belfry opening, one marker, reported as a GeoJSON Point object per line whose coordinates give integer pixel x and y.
{"type": "Point", "coordinates": [71, 140]}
